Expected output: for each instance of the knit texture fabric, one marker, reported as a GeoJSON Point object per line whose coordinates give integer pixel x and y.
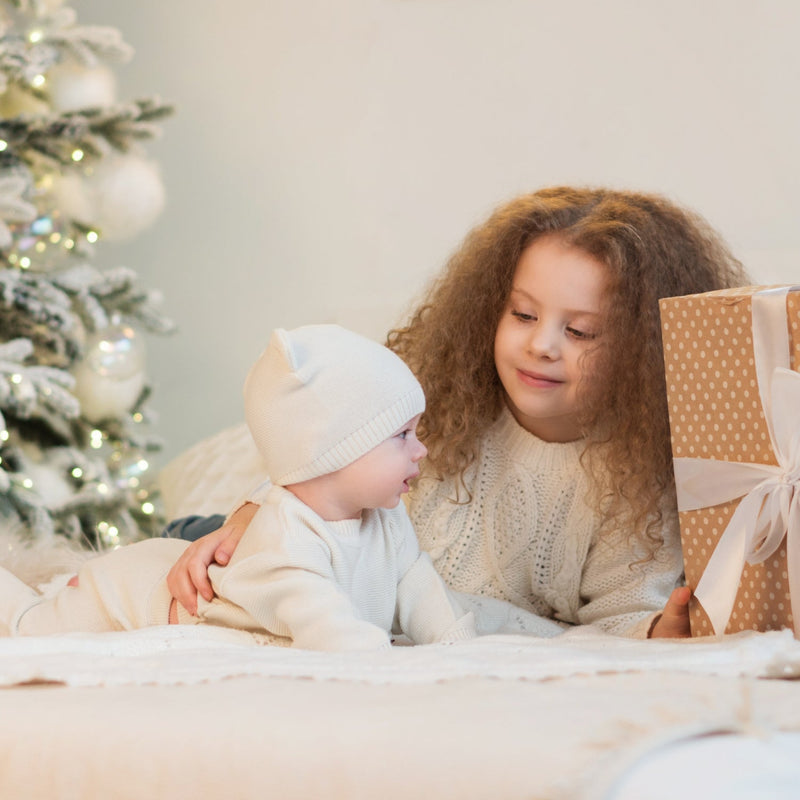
{"type": "Point", "coordinates": [332, 585]}
{"type": "Point", "coordinates": [320, 397]}
{"type": "Point", "coordinates": [315, 584]}
{"type": "Point", "coordinates": [528, 536]}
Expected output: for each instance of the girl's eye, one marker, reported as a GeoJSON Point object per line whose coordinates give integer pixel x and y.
{"type": "Point", "coordinates": [403, 434]}
{"type": "Point", "coordinates": [576, 334]}
{"type": "Point", "coordinates": [523, 317]}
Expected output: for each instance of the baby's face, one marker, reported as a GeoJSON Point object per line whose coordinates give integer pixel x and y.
{"type": "Point", "coordinates": [546, 336]}
{"type": "Point", "coordinates": [380, 477]}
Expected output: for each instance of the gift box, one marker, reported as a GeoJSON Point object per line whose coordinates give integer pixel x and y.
{"type": "Point", "coordinates": [731, 360]}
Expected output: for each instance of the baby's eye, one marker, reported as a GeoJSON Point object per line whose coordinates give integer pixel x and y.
{"type": "Point", "coordinates": [404, 434]}
{"type": "Point", "coordinates": [523, 317]}
{"type": "Point", "coordinates": [584, 335]}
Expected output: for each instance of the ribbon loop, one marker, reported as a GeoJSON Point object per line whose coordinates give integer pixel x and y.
{"type": "Point", "coordinates": [771, 523]}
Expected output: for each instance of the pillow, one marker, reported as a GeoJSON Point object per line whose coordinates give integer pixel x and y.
{"type": "Point", "coordinates": [213, 476]}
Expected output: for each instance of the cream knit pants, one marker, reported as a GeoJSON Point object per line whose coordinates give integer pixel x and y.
{"type": "Point", "coordinates": [120, 590]}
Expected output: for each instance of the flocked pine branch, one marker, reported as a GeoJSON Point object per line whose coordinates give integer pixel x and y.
{"type": "Point", "coordinates": [93, 131]}
{"type": "Point", "coordinates": [98, 296]}
{"type": "Point", "coordinates": [55, 37]}
{"type": "Point", "coordinates": [83, 290]}
{"type": "Point", "coordinates": [28, 390]}
{"type": "Point", "coordinates": [13, 206]}
{"type": "Point", "coordinates": [33, 307]}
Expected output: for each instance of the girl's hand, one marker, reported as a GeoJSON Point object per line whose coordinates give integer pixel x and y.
{"type": "Point", "coordinates": [674, 620]}
{"type": "Point", "coordinates": [189, 574]}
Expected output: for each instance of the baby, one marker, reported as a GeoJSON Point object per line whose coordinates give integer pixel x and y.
{"type": "Point", "coordinates": [331, 560]}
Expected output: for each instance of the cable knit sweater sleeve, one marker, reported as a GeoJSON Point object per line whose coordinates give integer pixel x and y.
{"type": "Point", "coordinates": [624, 588]}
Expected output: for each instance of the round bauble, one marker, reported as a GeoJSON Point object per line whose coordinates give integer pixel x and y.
{"type": "Point", "coordinates": [73, 86]}
{"type": "Point", "coordinates": [126, 194]}
{"type": "Point", "coordinates": [38, 245]}
{"type": "Point", "coordinates": [111, 376]}
{"type": "Point", "coordinates": [72, 196]}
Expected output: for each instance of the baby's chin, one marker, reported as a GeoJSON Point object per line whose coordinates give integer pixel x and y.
{"type": "Point", "coordinates": [392, 503]}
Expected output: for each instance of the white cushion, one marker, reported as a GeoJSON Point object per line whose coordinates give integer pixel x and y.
{"type": "Point", "coordinates": [213, 476]}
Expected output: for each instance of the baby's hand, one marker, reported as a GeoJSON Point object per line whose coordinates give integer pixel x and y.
{"type": "Point", "coordinates": [674, 620]}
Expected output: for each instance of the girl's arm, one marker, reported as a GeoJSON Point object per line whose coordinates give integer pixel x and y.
{"type": "Point", "coordinates": [189, 574]}
{"type": "Point", "coordinates": [629, 592]}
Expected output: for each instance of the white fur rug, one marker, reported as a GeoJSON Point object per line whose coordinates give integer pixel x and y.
{"type": "Point", "coordinates": [38, 562]}
{"type": "Point", "coordinates": [185, 655]}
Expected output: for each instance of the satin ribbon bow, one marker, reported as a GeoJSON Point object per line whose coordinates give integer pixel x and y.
{"type": "Point", "coordinates": [770, 506]}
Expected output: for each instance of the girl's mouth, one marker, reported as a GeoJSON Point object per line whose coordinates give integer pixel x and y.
{"type": "Point", "coordinates": [537, 379]}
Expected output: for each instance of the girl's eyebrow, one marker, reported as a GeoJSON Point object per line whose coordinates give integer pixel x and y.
{"type": "Point", "coordinates": [570, 311]}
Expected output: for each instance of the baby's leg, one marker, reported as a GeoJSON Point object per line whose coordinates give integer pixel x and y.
{"type": "Point", "coordinates": [73, 609]}
{"type": "Point", "coordinates": [124, 589]}
{"type": "Point", "coordinates": [15, 598]}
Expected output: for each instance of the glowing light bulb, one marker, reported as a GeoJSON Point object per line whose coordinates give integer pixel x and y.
{"type": "Point", "coordinates": [77, 154]}
{"type": "Point", "coordinates": [92, 236]}
{"type": "Point", "coordinates": [38, 81]}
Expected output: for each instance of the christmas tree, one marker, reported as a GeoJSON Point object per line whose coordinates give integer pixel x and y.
{"type": "Point", "coordinates": [74, 445]}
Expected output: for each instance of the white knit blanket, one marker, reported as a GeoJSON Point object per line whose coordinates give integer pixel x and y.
{"type": "Point", "coordinates": [182, 655]}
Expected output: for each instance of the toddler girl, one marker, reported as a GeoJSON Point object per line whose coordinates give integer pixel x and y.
{"type": "Point", "coordinates": [549, 481]}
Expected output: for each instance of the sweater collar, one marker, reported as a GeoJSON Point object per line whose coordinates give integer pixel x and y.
{"type": "Point", "coordinates": [521, 445]}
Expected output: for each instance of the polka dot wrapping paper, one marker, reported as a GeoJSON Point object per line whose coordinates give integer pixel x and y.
{"type": "Point", "coordinates": [716, 413]}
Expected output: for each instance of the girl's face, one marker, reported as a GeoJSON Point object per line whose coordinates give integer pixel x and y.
{"type": "Point", "coordinates": [549, 328]}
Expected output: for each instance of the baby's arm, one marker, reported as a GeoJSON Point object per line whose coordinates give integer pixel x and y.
{"type": "Point", "coordinates": [427, 611]}
{"type": "Point", "coordinates": [189, 574]}
{"type": "Point", "coordinates": [304, 603]}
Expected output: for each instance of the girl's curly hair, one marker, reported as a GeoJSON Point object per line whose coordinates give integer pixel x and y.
{"type": "Point", "coordinates": [652, 249]}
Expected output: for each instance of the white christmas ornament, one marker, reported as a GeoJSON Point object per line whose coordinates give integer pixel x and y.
{"type": "Point", "coordinates": [125, 194]}
{"type": "Point", "coordinates": [71, 195]}
{"type": "Point", "coordinates": [111, 376]}
{"type": "Point", "coordinates": [73, 86]}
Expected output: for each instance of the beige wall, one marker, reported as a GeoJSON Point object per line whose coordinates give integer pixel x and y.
{"type": "Point", "coordinates": [327, 155]}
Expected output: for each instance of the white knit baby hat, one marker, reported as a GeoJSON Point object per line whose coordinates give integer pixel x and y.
{"type": "Point", "coordinates": [320, 397]}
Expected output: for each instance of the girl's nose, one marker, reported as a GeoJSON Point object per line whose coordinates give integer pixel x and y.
{"type": "Point", "coordinates": [420, 452]}
{"type": "Point", "coordinates": [543, 342]}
